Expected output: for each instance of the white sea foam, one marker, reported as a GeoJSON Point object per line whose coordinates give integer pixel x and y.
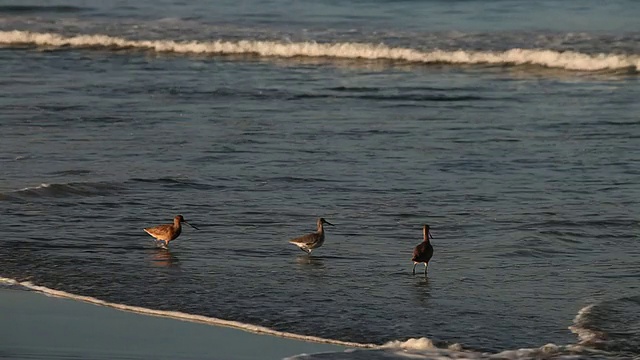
{"type": "Point", "coordinates": [418, 344]}
{"type": "Point", "coordinates": [420, 349]}
{"type": "Point", "coordinates": [549, 351]}
{"type": "Point", "coordinates": [417, 348]}
{"type": "Point", "coordinates": [568, 60]}
{"type": "Point", "coordinates": [29, 188]}
{"type": "Point", "coordinates": [586, 336]}
{"type": "Point", "coordinates": [423, 348]}
{"type": "Point", "coordinates": [7, 281]}
{"type": "Point", "coordinates": [412, 344]}
{"type": "Point", "coordinates": [611, 325]}
{"type": "Point", "coordinates": [182, 316]}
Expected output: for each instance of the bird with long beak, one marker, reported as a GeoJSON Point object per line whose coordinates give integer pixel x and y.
{"type": "Point", "coordinates": [168, 232]}
{"type": "Point", "coordinates": [311, 241]}
{"type": "Point", "coordinates": [424, 251]}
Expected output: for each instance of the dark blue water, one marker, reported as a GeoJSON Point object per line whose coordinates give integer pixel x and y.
{"type": "Point", "coordinates": [511, 128]}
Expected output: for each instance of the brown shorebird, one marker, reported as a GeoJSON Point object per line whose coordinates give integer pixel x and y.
{"type": "Point", "coordinates": [168, 232]}
{"type": "Point", "coordinates": [424, 251]}
{"type": "Point", "coordinates": [311, 241]}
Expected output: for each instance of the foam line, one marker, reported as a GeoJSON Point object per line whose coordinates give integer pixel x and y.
{"type": "Point", "coordinates": [183, 316]}
{"type": "Point", "coordinates": [568, 60]}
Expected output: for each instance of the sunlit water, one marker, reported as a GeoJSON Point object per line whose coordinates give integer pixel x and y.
{"type": "Point", "coordinates": [511, 129]}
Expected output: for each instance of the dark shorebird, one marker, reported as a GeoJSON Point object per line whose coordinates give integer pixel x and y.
{"type": "Point", "coordinates": [424, 251]}
{"type": "Point", "coordinates": [168, 232]}
{"type": "Point", "coordinates": [311, 241]}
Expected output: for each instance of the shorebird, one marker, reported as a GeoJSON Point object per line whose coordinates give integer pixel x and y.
{"type": "Point", "coordinates": [168, 232]}
{"type": "Point", "coordinates": [424, 251]}
{"type": "Point", "coordinates": [311, 241]}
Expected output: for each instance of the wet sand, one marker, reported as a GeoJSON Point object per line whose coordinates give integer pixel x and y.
{"type": "Point", "coordinates": [36, 326]}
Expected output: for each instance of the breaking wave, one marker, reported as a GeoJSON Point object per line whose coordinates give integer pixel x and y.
{"type": "Point", "coordinates": [612, 325]}
{"type": "Point", "coordinates": [414, 348]}
{"type": "Point", "coordinates": [45, 190]}
{"type": "Point", "coordinates": [567, 60]}
{"type": "Point", "coordinates": [105, 188]}
{"type": "Point", "coordinates": [423, 349]}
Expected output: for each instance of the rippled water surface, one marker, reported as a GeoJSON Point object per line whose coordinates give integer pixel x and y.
{"type": "Point", "coordinates": [526, 171]}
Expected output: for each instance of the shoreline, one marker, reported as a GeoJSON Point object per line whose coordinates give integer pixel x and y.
{"type": "Point", "coordinates": [40, 325]}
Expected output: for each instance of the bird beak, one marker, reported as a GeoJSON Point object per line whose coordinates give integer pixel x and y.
{"type": "Point", "coordinates": [326, 222]}
{"type": "Point", "coordinates": [191, 225]}
{"type": "Point", "coordinates": [431, 236]}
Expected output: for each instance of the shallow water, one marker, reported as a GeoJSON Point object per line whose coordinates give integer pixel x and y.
{"type": "Point", "coordinates": [526, 173]}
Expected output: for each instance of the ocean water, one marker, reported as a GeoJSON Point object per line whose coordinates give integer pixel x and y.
{"type": "Point", "coordinates": [511, 127]}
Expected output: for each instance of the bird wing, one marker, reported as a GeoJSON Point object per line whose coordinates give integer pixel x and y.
{"type": "Point", "coordinates": [423, 252]}
{"type": "Point", "coordinates": [158, 230]}
{"type": "Point", "coordinates": [416, 251]}
{"type": "Point", "coordinates": [306, 239]}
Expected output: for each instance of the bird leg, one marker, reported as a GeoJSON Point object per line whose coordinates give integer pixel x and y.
{"type": "Point", "coordinates": [414, 267]}
{"type": "Point", "coordinates": [425, 268]}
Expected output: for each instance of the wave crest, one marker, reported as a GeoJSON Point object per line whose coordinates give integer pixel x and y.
{"type": "Point", "coordinates": [414, 348]}
{"type": "Point", "coordinates": [612, 325]}
{"type": "Point", "coordinates": [567, 60]}
{"type": "Point", "coordinates": [419, 349]}
{"type": "Point", "coordinates": [66, 189]}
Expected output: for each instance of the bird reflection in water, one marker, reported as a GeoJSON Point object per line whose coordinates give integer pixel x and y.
{"type": "Point", "coordinates": [306, 260]}
{"type": "Point", "coordinates": [422, 290]}
{"type": "Point", "coordinates": [164, 258]}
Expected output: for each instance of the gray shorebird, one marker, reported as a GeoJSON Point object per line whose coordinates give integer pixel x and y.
{"type": "Point", "coordinates": [168, 232]}
{"type": "Point", "coordinates": [424, 251]}
{"type": "Point", "coordinates": [311, 241]}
